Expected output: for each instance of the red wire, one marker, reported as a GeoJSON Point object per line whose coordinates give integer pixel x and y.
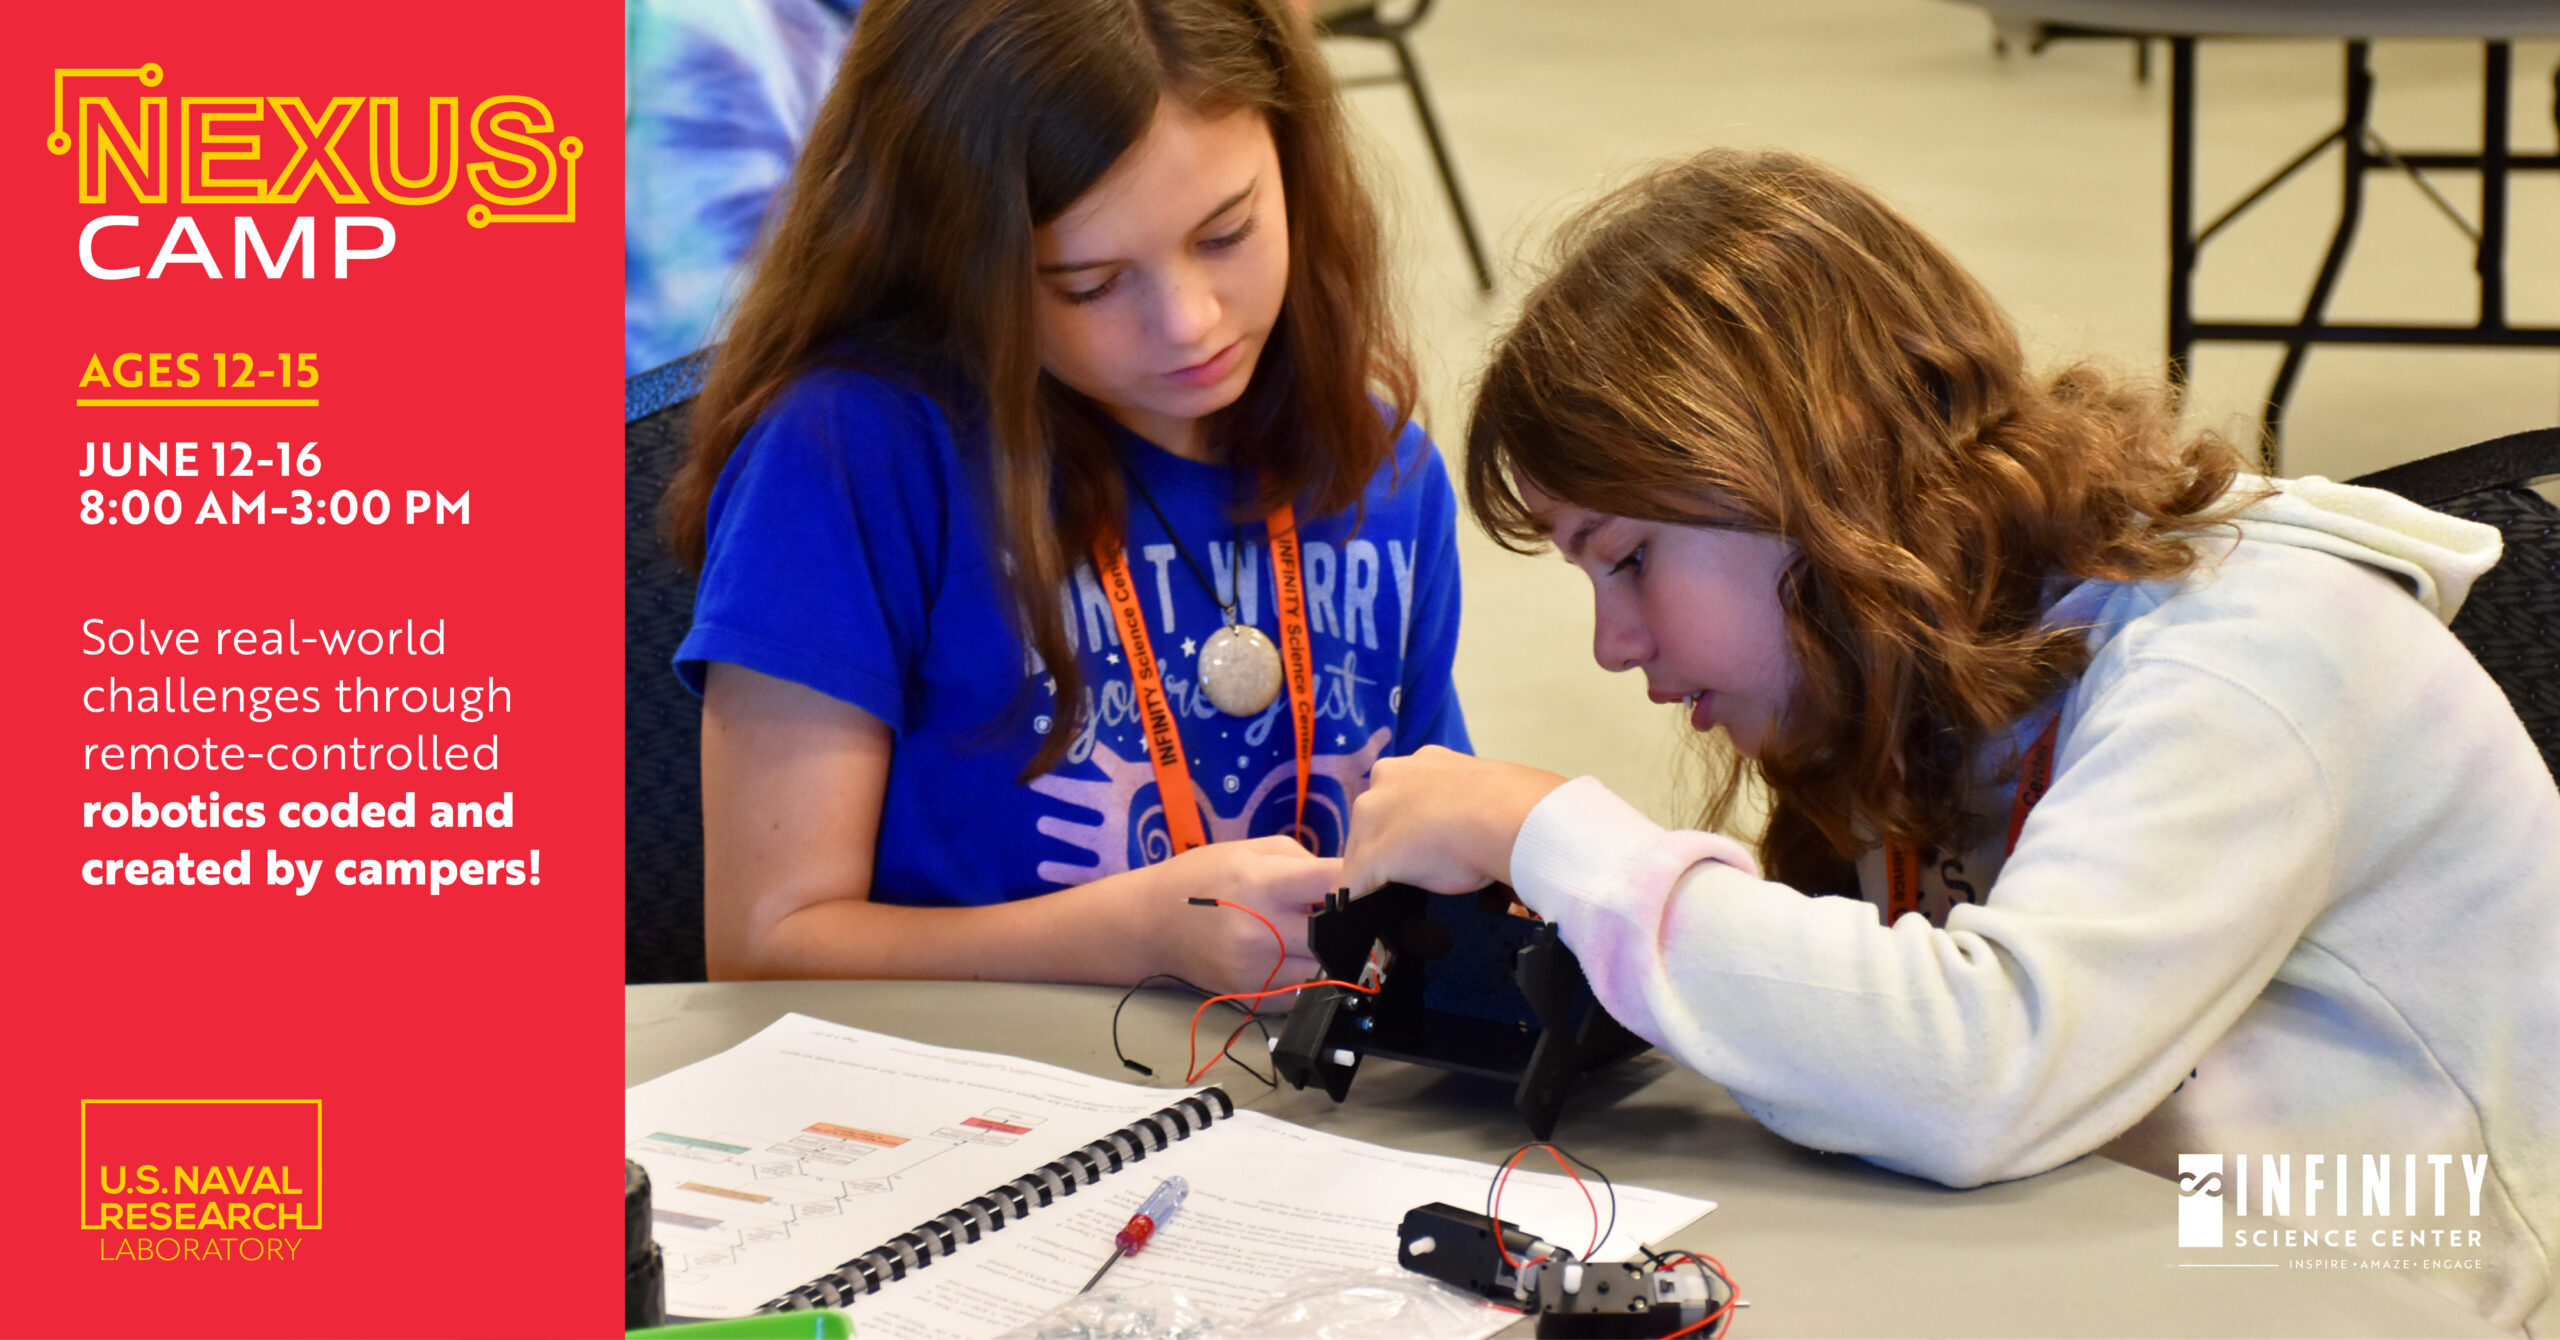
{"type": "Point", "coordinates": [1197, 1070]}
{"type": "Point", "coordinates": [1277, 939]}
{"type": "Point", "coordinates": [1732, 1291]}
{"type": "Point", "coordinates": [1279, 942]}
{"type": "Point", "coordinates": [1282, 944]}
{"type": "Point", "coordinates": [1504, 1175]}
{"type": "Point", "coordinates": [1496, 1214]}
{"type": "Point", "coordinates": [1191, 1063]}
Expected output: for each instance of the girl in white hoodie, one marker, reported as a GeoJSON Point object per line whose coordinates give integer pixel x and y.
{"type": "Point", "coordinates": [2171, 818]}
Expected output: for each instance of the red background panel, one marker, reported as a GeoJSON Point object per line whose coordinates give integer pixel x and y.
{"type": "Point", "coordinates": [466, 1044]}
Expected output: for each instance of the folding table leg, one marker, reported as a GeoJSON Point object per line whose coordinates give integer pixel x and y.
{"type": "Point", "coordinates": [2353, 144]}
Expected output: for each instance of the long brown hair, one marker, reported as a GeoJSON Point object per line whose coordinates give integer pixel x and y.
{"type": "Point", "coordinates": [1756, 330]}
{"type": "Point", "coordinates": [954, 130]}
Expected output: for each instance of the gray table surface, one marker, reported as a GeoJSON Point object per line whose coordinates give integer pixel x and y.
{"type": "Point", "coordinates": [1822, 1245]}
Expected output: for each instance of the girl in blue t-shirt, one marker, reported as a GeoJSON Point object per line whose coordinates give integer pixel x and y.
{"type": "Point", "coordinates": [1063, 530]}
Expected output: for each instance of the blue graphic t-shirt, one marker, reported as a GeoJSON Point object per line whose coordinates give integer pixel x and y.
{"type": "Point", "coordinates": [848, 553]}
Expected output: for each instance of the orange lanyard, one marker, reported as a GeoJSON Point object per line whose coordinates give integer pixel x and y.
{"type": "Point", "coordinates": [1902, 860]}
{"type": "Point", "coordinates": [1297, 654]}
{"type": "Point", "coordinates": [1155, 710]}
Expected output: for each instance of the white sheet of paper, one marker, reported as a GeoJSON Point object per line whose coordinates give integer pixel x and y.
{"type": "Point", "coordinates": [777, 1160]}
{"type": "Point", "coordinates": [809, 1143]}
{"type": "Point", "coordinates": [1269, 1202]}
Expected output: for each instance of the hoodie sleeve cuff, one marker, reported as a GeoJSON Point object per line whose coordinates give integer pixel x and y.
{"type": "Point", "coordinates": [1603, 873]}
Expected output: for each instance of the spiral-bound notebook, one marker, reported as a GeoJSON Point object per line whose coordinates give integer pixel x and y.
{"type": "Point", "coordinates": [948, 1194]}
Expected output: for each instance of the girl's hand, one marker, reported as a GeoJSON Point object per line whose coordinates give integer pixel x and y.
{"type": "Point", "coordinates": [1225, 950]}
{"type": "Point", "coordinates": [1440, 819]}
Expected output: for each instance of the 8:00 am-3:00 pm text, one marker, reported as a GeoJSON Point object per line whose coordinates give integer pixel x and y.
{"type": "Point", "coordinates": [229, 506]}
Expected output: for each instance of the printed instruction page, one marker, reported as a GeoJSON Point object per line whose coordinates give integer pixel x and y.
{"type": "Point", "coordinates": [811, 1143]}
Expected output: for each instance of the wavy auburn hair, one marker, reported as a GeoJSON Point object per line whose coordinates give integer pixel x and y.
{"type": "Point", "coordinates": [954, 130]}
{"type": "Point", "coordinates": [1754, 336]}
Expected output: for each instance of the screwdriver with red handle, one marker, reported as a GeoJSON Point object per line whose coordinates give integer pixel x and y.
{"type": "Point", "coordinates": [1159, 1206]}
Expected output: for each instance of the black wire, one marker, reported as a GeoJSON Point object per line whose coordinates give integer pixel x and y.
{"type": "Point", "coordinates": [1562, 1152]}
{"type": "Point", "coordinates": [1225, 608]}
{"type": "Point", "coordinates": [1271, 1081]}
{"type": "Point", "coordinates": [1707, 1279]}
{"type": "Point", "coordinates": [1588, 1166]}
{"type": "Point", "coordinates": [1730, 1311]}
{"type": "Point", "coordinates": [1662, 1263]}
{"type": "Point", "coordinates": [1607, 1185]}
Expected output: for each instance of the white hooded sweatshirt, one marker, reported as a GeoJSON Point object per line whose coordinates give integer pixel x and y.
{"type": "Point", "coordinates": [2294, 892]}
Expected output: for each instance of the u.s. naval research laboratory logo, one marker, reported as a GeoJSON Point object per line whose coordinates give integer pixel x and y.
{"type": "Point", "coordinates": [200, 1179]}
{"type": "Point", "coordinates": [2373, 1205]}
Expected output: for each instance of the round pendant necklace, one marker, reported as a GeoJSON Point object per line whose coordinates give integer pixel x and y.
{"type": "Point", "coordinates": [1239, 667]}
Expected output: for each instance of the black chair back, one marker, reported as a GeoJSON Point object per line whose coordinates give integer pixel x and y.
{"type": "Point", "coordinates": [2512, 620]}
{"type": "Point", "coordinates": [662, 722]}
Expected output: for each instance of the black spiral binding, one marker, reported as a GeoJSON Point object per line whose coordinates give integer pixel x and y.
{"type": "Point", "coordinates": [972, 1219]}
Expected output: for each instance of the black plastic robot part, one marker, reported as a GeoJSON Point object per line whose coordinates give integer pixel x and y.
{"type": "Point", "coordinates": [1463, 985]}
{"type": "Point", "coordinates": [1572, 1300]}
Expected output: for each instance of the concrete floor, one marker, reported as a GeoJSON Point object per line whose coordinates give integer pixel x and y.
{"type": "Point", "coordinates": [2046, 174]}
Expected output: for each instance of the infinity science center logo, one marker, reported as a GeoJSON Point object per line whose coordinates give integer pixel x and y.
{"type": "Point", "coordinates": [2199, 1200]}
{"type": "Point", "coordinates": [2372, 1206]}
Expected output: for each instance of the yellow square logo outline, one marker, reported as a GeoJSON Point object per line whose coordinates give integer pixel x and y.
{"type": "Point", "coordinates": [318, 1162]}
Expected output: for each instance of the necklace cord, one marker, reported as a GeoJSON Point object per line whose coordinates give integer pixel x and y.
{"type": "Point", "coordinates": [1225, 606]}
